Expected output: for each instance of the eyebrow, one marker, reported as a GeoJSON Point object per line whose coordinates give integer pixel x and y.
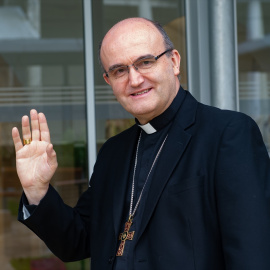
{"type": "Point", "coordinates": [123, 65]}
{"type": "Point", "coordinates": [116, 66]}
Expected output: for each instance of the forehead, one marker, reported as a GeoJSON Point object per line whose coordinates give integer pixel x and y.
{"type": "Point", "coordinates": [130, 40]}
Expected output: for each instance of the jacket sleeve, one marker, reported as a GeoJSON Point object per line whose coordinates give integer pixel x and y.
{"type": "Point", "coordinates": [65, 230]}
{"type": "Point", "coordinates": [243, 196]}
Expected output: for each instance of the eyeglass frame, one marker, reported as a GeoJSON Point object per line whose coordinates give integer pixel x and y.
{"type": "Point", "coordinates": [128, 66]}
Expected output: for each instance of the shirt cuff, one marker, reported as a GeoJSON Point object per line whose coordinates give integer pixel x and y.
{"type": "Point", "coordinates": [26, 213]}
{"type": "Point", "coordinates": [27, 209]}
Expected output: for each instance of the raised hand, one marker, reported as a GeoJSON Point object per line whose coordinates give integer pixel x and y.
{"type": "Point", "coordinates": [36, 160]}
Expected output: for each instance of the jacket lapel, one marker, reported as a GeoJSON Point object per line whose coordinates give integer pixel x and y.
{"type": "Point", "coordinates": [177, 141]}
{"type": "Point", "coordinates": [122, 174]}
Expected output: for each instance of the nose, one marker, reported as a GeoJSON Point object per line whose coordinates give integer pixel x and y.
{"type": "Point", "coordinates": [134, 76]}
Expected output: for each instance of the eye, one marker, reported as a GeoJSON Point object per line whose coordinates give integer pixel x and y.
{"type": "Point", "coordinates": [118, 72]}
{"type": "Point", "coordinates": [145, 63]}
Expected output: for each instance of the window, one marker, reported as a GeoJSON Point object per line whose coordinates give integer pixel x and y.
{"type": "Point", "coordinates": [254, 69]}
{"type": "Point", "coordinates": [41, 67]}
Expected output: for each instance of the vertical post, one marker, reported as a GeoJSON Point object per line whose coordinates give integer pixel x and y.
{"type": "Point", "coordinates": [145, 9]}
{"type": "Point", "coordinates": [89, 83]}
{"type": "Point", "coordinates": [223, 54]}
{"type": "Point", "coordinates": [34, 72]}
{"type": "Point", "coordinates": [255, 29]}
{"type": "Point", "coordinates": [197, 39]}
{"type": "Point", "coordinates": [257, 78]}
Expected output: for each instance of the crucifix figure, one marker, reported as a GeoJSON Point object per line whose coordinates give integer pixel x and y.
{"type": "Point", "coordinates": [126, 235]}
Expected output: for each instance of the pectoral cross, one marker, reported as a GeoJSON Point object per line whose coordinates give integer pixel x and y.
{"type": "Point", "coordinates": [126, 235]}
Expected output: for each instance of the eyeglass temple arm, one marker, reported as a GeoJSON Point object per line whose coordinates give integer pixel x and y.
{"type": "Point", "coordinates": [157, 57]}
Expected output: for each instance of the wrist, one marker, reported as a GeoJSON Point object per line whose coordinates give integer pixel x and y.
{"type": "Point", "coordinates": [34, 195]}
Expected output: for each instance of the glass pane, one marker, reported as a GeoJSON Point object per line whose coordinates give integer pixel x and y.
{"type": "Point", "coordinates": [111, 118]}
{"type": "Point", "coordinates": [253, 19]}
{"type": "Point", "coordinates": [41, 67]}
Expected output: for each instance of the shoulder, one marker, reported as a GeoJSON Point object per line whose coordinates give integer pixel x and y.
{"type": "Point", "coordinates": [217, 124]}
{"type": "Point", "coordinates": [223, 117]}
{"type": "Point", "coordinates": [234, 130]}
{"type": "Point", "coordinates": [205, 116]}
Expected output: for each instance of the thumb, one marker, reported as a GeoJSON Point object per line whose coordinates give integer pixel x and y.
{"type": "Point", "coordinates": [51, 157]}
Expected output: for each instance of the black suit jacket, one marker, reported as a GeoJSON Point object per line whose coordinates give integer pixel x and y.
{"type": "Point", "coordinates": [208, 206]}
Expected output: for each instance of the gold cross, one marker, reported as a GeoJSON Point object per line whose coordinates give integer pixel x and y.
{"type": "Point", "coordinates": [126, 235]}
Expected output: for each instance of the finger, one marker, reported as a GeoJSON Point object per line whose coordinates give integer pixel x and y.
{"type": "Point", "coordinates": [35, 125]}
{"type": "Point", "coordinates": [16, 139]}
{"type": "Point", "coordinates": [44, 129]}
{"type": "Point", "coordinates": [26, 132]}
{"type": "Point", "coordinates": [52, 158]}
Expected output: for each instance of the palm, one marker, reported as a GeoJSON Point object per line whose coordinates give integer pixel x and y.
{"type": "Point", "coordinates": [32, 165]}
{"type": "Point", "coordinates": [36, 162]}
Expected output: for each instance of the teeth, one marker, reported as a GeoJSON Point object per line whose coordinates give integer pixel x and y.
{"type": "Point", "coordinates": [143, 92]}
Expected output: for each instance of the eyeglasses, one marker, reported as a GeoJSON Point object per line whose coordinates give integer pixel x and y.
{"type": "Point", "coordinates": [142, 65]}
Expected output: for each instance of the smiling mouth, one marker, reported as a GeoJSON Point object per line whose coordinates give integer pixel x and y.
{"type": "Point", "coordinates": [140, 93]}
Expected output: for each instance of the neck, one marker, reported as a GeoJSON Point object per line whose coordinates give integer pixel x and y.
{"type": "Point", "coordinates": [146, 118]}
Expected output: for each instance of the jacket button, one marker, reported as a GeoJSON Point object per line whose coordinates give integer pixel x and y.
{"type": "Point", "coordinates": [111, 260]}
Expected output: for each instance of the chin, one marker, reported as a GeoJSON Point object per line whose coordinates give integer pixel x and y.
{"type": "Point", "coordinates": [145, 115]}
{"type": "Point", "coordinates": [142, 110]}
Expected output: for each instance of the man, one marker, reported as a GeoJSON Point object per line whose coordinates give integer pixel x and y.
{"type": "Point", "coordinates": [187, 187]}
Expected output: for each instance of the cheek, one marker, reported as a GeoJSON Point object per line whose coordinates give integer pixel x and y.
{"type": "Point", "coordinates": [117, 96]}
{"type": "Point", "coordinates": [156, 77]}
{"type": "Point", "coordinates": [118, 90]}
{"type": "Point", "coordinates": [162, 74]}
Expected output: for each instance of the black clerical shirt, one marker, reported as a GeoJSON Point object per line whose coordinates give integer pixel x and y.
{"type": "Point", "coordinates": [147, 151]}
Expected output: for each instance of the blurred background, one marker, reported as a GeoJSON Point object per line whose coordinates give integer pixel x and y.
{"type": "Point", "coordinates": [48, 61]}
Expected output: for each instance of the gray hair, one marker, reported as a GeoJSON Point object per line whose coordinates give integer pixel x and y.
{"type": "Point", "coordinates": [167, 41]}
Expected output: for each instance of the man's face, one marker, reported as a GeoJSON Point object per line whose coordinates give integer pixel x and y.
{"type": "Point", "coordinates": [145, 95]}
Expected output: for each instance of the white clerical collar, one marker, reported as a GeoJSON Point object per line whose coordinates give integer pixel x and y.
{"type": "Point", "coordinates": [148, 128]}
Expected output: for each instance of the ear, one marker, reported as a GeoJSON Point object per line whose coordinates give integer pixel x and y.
{"type": "Point", "coordinates": [176, 58]}
{"type": "Point", "coordinates": [106, 79]}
